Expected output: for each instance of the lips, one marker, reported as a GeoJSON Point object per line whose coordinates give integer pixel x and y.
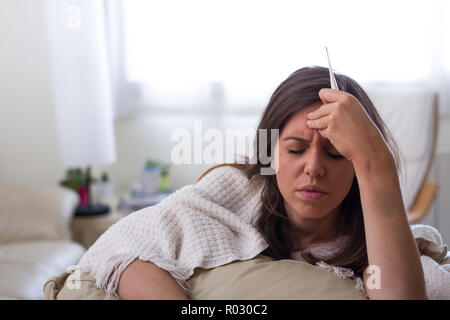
{"type": "Point", "coordinates": [310, 195]}
{"type": "Point", "coordinates": [311, 188]}
{"type": "Point", "coordinates": [311, 192]}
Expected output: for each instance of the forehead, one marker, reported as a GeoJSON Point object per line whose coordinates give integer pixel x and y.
{"type": "Point", "coordinates": [296, 125]}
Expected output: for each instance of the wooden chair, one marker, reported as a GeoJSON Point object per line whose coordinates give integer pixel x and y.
{"type": "Point", "coordinates": [428, 189]}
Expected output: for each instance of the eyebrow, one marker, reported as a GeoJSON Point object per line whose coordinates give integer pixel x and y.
{"type": "Point", "coordinates": [296, 138]}
{"type": "Point", "coordinates": [302, 139]}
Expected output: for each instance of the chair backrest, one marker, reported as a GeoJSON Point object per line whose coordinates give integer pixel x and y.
{"type": "Point", "coordinates": [412, 115]}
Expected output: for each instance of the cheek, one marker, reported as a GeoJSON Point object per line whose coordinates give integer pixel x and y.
{"type": "Point", "coordinates": [288, 164]}
{"type": "Point", "coordinates": [285, 178]}
{"type": "Point", "coordinates": [342, 178]}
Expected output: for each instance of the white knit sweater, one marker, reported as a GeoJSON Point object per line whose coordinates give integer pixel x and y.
{"type": "Point", "coordinates": [208, 224]}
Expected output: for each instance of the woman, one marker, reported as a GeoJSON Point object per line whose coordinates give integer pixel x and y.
{"type": "Point", "coordinates": [336, 178]}
{"type": "Point", "coordinates": [334, 142]}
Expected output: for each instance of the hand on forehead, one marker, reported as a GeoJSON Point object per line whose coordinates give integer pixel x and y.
{"type": "Point", "coordinates": [296, 126]}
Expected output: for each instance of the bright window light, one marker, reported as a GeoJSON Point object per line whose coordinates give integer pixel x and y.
{"type": "Point", "coordinates": [177, 49]}
{"type": "Point", "coordinates": [446, 34]}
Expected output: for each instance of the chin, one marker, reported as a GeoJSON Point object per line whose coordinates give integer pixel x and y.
{"type": "Point", "coordinates": [317, 215]}
{"type": "Point", "coordinates": [310, 212]}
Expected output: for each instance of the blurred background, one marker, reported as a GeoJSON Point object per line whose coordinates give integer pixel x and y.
{"type": "Point", "coordinates": [105, 83]}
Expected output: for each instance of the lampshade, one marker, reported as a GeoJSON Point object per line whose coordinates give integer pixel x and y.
{"type": "Point", "coordinates": [81, 83]}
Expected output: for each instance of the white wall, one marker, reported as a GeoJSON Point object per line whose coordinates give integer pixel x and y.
{"type": "Point", "coordinates": [149, 137]}
{"type": "Point", "coordinates": [28, 143]}
{"type": "Point", "coordinates": [29, 151]}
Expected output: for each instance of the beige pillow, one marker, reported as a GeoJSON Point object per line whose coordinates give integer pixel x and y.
{"type": "Point", "coordinates": [35, 212]}
{"type": "Point", "coordinates": [260, 278]}
{"type": "Point", "coordinates": [263, 278]}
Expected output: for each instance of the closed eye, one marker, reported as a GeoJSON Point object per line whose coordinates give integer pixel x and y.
{"type": "Point", "coordinates": [334, 156]}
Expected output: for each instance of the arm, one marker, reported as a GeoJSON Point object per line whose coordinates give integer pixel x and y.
{"type": "Point", "coordinates": [390, 243]}
{"type": "Point", "coordinates": [144, 280]}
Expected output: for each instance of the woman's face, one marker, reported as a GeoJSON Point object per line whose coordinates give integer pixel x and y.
{"type": "Point", "coordinates": [307, 158]}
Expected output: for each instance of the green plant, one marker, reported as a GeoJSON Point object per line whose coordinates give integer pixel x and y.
{"type": "Point", "coordinates": [165, 170]}
{"type": "Point", "coordinates": [164, 178]}
{"type": "Point", "coordinates": [76, 178]}
{"type": "Point", "coordinates": [105, 177]}
{"type": "Point", "coordinates": [151, 164]}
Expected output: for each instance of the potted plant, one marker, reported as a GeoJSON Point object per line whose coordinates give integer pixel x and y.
{"type": "Point", "coordinates": [76, 179]}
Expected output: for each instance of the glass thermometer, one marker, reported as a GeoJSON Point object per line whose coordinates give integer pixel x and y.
{"type": "Point", "coordinates": [332, 77]}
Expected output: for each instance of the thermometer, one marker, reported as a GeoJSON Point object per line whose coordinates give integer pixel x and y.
{"type": "Point", "coordinates": [332, 77]}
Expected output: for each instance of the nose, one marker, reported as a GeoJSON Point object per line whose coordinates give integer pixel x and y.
{"type": "Point", "coordinates": [314, 166]}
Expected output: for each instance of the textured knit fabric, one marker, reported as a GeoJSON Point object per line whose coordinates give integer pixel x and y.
{"type": "Point", "coordinates": [435, 261]}
{"type": "Point", "coordinates": [323, 251]}
{"type": "Point", "coordinates": [208, 224]}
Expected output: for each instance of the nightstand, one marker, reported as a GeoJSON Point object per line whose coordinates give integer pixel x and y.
{"type": "Point", "coordinates": [86, 230]}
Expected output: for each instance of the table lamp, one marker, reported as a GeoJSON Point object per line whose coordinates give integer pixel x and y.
{"type": "Point", "coordinates": [81, 88]}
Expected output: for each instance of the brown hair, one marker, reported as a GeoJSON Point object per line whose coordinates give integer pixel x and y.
{"type": "Point", "coordinates": [298, 91]}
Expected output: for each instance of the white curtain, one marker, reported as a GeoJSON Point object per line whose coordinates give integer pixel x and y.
{"type": "Point", "coordinates": [201, 54]}
{"type": "Point", "coordinates": [81, 81]}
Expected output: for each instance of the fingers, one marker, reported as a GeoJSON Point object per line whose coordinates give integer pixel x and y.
{"type": "Point", "coordinates": [319, 124]}
{"type": "Point", "coordinates": [331, 95]}
{"type": "Point", "coordinates": [323, 111]}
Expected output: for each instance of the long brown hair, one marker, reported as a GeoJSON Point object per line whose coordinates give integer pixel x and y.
{"type": "Point", "coordinates": [298, 91]}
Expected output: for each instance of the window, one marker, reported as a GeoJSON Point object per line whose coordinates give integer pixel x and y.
{"type": "Point", "coordinates": [205, 55]}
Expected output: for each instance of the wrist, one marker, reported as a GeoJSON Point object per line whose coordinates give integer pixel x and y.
{"type": "Point", "coordinates": [379, 187]}
{"type": "Point", "coordinates": [375, 164]}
